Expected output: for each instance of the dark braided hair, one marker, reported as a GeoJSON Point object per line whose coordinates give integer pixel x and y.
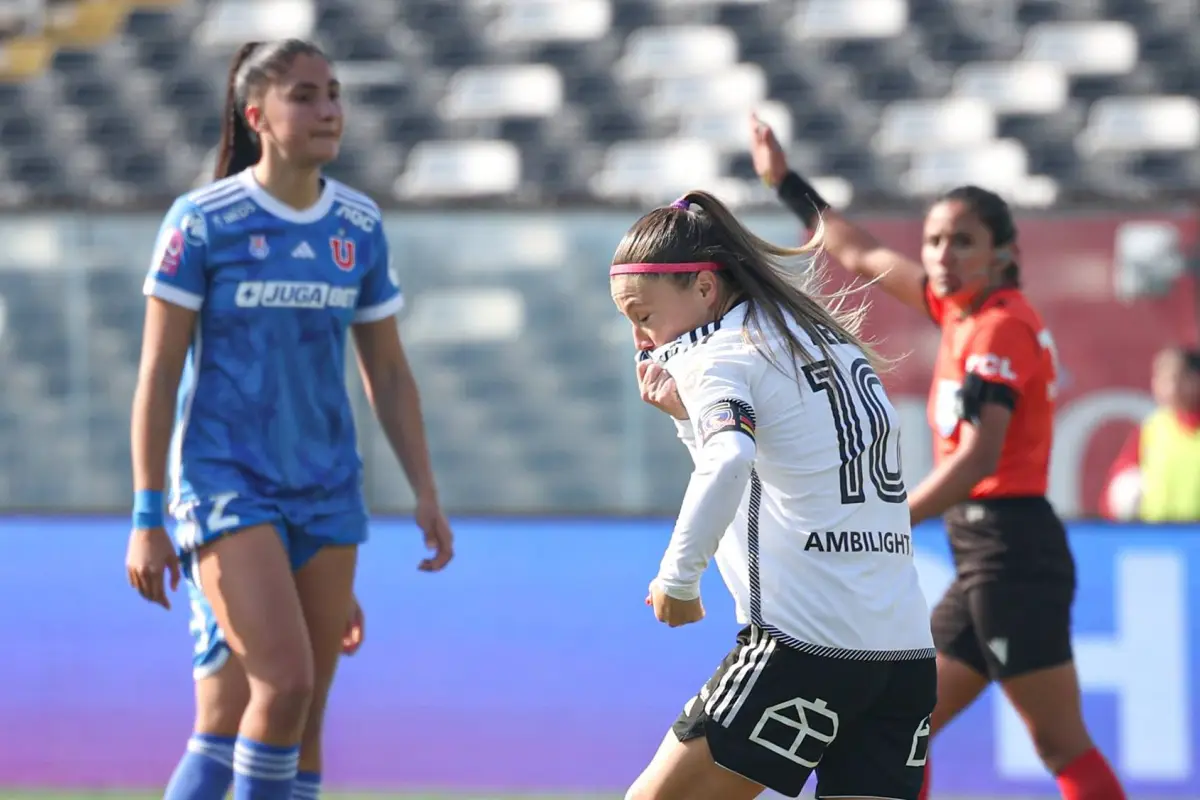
{"type": "Point", "coordinates": [996, 216]}
{"type": "Point", "coordinates": [254, 66]}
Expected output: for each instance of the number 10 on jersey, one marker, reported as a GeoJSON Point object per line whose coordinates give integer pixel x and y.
{"type": "Point", "coordinates": [862, 389]}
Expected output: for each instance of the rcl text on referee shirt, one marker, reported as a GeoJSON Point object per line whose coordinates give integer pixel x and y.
{"type": "Point", "coordinates": [796, 490]}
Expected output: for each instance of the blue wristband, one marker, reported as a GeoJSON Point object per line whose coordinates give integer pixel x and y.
{"type": "Point", "coordinates": [147, 509]}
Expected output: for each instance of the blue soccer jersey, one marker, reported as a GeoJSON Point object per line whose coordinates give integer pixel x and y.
{"type": "Point", "coordinates": [263, 412]}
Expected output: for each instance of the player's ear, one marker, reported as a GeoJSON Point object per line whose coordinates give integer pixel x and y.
{"type": "Point", "coordinates": [255, 118]}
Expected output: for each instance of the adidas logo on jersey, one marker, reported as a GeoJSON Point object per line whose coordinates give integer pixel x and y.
{"type": "Point", "coordinates": [303, 251]}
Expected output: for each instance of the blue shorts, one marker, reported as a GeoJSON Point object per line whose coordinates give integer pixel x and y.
{"type": "Point", "coordinates": [303, 529]}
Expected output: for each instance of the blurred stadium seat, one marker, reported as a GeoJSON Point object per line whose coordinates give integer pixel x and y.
{"type": "Point", "coordinates": [561, 94]}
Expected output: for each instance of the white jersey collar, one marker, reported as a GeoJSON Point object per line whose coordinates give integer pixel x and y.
{"type": "Point", "coordinates": [733, 318]}
{"type": "Point", "coordinates": [300, 216]}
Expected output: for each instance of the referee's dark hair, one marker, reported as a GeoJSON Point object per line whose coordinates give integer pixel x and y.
{"type": "Point", "coordinates": [996, 216]}
{"type": "Point", "coordinates": [699, 227]}
{"type": "Point", "coordinates": [254, 67]}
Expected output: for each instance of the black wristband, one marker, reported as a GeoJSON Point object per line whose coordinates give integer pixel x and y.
{"type": "Point", "coordinates": [799, 195]}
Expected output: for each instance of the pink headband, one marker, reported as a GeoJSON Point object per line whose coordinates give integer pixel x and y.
{"type": "Point", "coordinates": [660, 269]}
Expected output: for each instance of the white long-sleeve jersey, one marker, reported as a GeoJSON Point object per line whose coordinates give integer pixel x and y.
{"type": "Point", "coordinates": [797, 491]}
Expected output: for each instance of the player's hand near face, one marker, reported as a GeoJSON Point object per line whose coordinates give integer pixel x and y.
{"type": "Point", "coordinates": [658, 389]}
{"type": "Point", "coordinates": [356, 625]}
{"type": "Point", "coordinates": [151, 553]}
{"type": "Point", "coordinates": [671, 611]}
{"type": "Point", "coordinates": [438, 536]}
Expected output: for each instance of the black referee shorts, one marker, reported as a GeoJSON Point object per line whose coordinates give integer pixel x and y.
{"type": "Point", "coordinates": [1008, 611]}
{"type": "Point", "coordinates": [776, 715]}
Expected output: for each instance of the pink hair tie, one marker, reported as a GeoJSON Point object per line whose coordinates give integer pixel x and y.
{"type": "Point", "coordinates": [682, 204]}
{"type": "Point", "coordinates": [661, 269]}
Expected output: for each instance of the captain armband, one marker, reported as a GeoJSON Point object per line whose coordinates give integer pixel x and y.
{"type": "Point", "coordinates": [726, 415]}
{"type": "Point", "coordinates": [977, 392]}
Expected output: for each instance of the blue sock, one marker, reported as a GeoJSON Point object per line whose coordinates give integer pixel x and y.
{"type": "Point", "coordinates": [307, 786]}
{"type": "Point", "coordinates": [263, 771]}
{"type": "Point", "coordinates": [205, 771]}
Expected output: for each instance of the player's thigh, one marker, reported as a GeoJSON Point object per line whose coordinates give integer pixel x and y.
{"type": "Point", "coordinates": [247, 578]}
{"type": "Point", "coordinates": [210, 651]}
{"type": "Point", "coordinates": [222, 691]}
{"type": "Point", "coordinates": [953, 627]}
{"type": "Point", "coordinates": [325, 585]}
{"type": "Point", "coordinates": [882, 752]}
{"type": "Point", "coordinates": [323, 547]}
{"type": "Point", "coordinates": [212, 517]}
{"type": "Point", "coordinates": [962, 668]}
{"type": "Point", "coordinates": [769, 712]}
{"type": "Point", "coordinates": [1022, 626]}
{"type": "Point", "coordinates": [686, 771]}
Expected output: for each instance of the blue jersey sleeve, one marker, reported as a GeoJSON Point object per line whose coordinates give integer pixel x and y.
{"type": "Point", "coordinates": [380, 296]}
{"type": "Point", "coordinates": [177, 268]}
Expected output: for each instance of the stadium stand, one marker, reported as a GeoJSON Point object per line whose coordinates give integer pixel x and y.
{"type": "Point", "coordinates": [107, 104]}
{"type": "Point", "coordinates": [559, 100]}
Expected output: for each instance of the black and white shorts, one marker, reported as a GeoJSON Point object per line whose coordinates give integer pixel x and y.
{"type": "Point", "coordinates": [775, 715]}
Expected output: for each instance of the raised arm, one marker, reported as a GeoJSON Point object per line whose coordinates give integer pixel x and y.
{"type": "Point", "coordinates": [859, 253]}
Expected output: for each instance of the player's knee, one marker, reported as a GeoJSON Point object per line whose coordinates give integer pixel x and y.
{"type": "Point", "coordinates": [290, 688]}
{"type": "Point", "coordinates": [646, 791]}
{"type": "Point", "coordinates": [637, 793]}
{"type": "Point", "coordinates": [283, 707]}
{"type": "Point", "coordinates": [639, 790]}
{"type": "Point", "coordinates": [285, 694]}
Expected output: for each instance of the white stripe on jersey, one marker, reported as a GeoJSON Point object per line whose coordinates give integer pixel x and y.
{"type": "Point", "coordinates": [215, 191]}
{"type": "Point", "coordinates": [176, 461]}
{"type": "Point", "coordinates": [224, 201]}
{"type": "Point", "coordinates": [356, 198]}
{"type": "Point", "coordinates": [388, 308]}
{"type": "Point", "coordinates": [372, 211]}
{"type": "Point", "coordinates": [738, 681]}
{"type": "Point", "coordinates": [172, 294]}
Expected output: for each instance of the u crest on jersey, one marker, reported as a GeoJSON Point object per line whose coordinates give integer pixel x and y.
{"type": "Point", "coordinates": [343, 252]}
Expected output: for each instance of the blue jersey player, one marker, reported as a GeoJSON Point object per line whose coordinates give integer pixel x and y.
{"type": "Point", "coordinates": [241, 400]}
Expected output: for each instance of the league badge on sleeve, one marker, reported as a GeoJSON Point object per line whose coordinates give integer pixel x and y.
{"type": "Point", "coordinates": [168, 252]}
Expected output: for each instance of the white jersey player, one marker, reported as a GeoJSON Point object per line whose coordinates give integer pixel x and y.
{"type": "Point", "coordinates": [797, 493]}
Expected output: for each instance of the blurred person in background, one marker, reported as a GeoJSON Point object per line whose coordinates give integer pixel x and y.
{"type": "Point", "coordinates": [796, 452]}
{"type": "Point", "coordinates": [255, 283]}
{"type": "Point", "coordinates": [1007, 615]}
{"type": "Point", "coordinates": [1156, 476]}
